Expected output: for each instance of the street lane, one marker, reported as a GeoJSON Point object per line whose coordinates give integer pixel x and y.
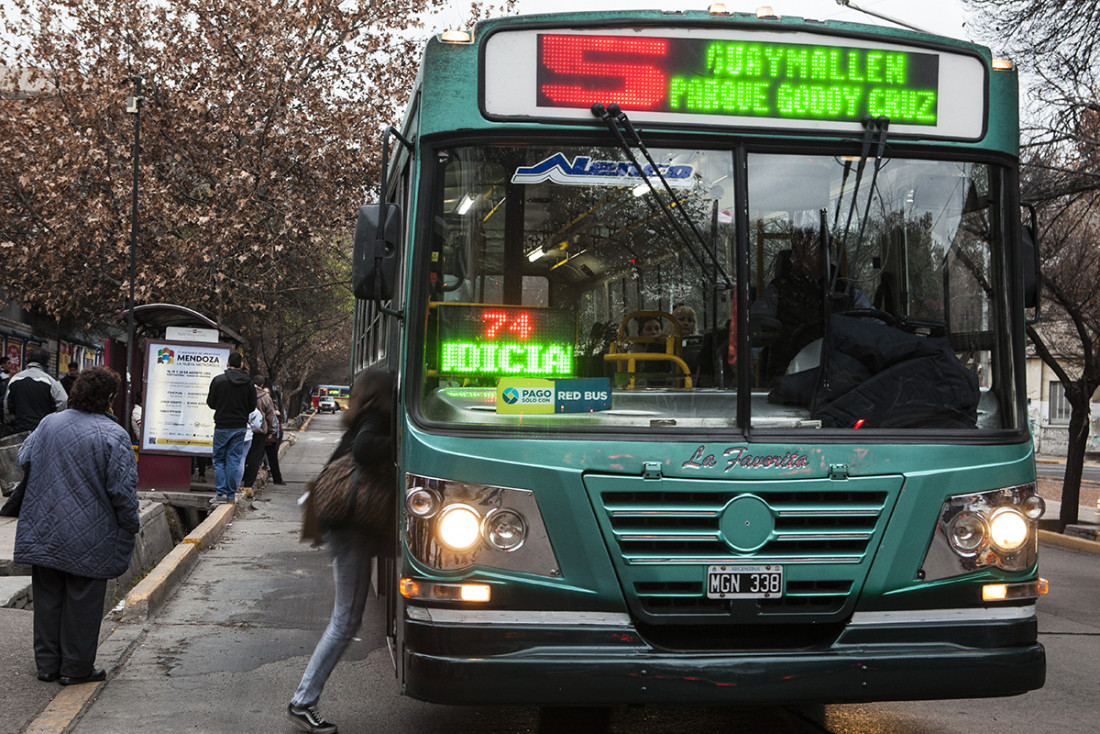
{"type": "Point", "coordinates": [1057, 469]}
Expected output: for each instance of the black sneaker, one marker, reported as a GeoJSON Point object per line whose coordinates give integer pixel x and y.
{"type": "Point", "coordinates": [308, 719]}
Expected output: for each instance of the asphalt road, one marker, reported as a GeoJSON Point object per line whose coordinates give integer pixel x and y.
{"type": "Point", "coordinates": [1090, 472]}
{"type": "Point", "coordinates": [226, 653]}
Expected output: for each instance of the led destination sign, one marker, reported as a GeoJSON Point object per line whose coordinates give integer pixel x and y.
{"type": "Point", "coordinates": [504, 341]}
{"type": "Point", "coordinates": [749, 78]}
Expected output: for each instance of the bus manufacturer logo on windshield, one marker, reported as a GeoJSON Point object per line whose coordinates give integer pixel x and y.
{"type": "Point", "coordinates": [739, 457]}
{"type": "Point", "coordinates": [584, 171]}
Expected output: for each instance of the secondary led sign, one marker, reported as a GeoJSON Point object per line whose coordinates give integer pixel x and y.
{"type": "Point", "coordinates": [504, 341]}
{"type": "Point", "coordinates": [768, 80]}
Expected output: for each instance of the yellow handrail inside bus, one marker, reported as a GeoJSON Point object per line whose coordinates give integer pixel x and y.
{"type": "Point", "coordinates": [620, 348]}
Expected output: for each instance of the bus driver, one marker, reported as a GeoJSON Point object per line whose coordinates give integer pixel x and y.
{"type": "Point", "coordinates": [790, 313]}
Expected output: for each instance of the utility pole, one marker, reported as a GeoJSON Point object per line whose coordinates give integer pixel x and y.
{"type": "Point", "coordinates": [133, 107]}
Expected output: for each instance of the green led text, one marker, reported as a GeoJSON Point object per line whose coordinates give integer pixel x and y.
{"type": "Point", "coordinates": [806, 82]}
{"type": "Point", "coordinates": [806, 63]}
{"type": "Point", "coordinates": [506, 359]}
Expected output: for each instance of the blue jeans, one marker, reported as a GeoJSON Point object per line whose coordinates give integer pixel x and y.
{"type": "Point", "coordinates": [351, 555]}
{"type": "Point", "coordinates": [228, 448]}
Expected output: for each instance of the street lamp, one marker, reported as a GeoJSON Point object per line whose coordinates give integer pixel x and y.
{"type": "Point", "coordinates": [133, 107]}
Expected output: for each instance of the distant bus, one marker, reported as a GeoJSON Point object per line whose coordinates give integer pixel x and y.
{"type": "Point", "coordinates": [340, 392]}
{"type": "Point", "coordinates": [592, 514]}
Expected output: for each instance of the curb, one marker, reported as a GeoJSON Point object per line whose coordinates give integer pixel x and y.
{"type": "Point", "coordinates": [151, 592]}
{"type": "Point", "coordinates": [1062, 460]}
{"type": "Point", "coordinates": [1065, 541]}
{"type": "Point", "coordinates": [72, 701]}
{"type": "Point", "coordinates": [210, 530]}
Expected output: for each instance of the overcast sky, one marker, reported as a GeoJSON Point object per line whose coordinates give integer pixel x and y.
{"type": "Point", "coordinates": [944, 17]}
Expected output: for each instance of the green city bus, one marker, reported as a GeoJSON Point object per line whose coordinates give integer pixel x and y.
{"type": "Point", "coordinates": [709, 335]}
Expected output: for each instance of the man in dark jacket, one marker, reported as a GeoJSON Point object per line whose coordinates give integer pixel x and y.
{"type": "Point", "coordinates": [33, 394]}
{"type": "Point", "coordinates": [232, 397]}
{"type": "Point", "coordinates": [70, 377]}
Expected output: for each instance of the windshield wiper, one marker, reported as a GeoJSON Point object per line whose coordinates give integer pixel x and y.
{"type": "Point", "coordinates": [874, 134]}
{"type": "Point", "coordinates": [612, 116]}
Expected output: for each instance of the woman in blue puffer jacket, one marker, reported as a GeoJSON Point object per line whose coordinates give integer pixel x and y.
{"type": "Point", "coordinates": [77, 525]}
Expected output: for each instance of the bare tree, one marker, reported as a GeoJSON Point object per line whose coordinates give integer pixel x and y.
{"type": "Point", "coordinates": [1068, 337]}
{"type": "Point", "coordinates": [260, 126]}
{"type": "Point", "coordinates": [1053, 42]}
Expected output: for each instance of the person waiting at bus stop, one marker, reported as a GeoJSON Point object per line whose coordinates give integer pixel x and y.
{"type": "Point", "coordinates": [70, 377]}
{"type": "Point", "coordinates": [33, 393]}
{"type": "Point", "coordinates": [255, 453]}
{"type": "Point", "coordinates": [232, 397]}
{"type": "Point", "coordinates": [77, 525]}
{"type": "Point", "coordinates": [368, 435]}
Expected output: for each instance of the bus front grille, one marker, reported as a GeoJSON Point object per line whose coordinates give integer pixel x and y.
{"type": "Point", "coordinates": [664, 527]}
{"type": "Point", "coordinates": [823, 533]}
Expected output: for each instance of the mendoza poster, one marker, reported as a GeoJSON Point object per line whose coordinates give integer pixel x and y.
{"type": "Point", "coordinates": [175, 417]}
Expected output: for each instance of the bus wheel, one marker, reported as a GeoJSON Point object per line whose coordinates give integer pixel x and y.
{"type": "Point", "coordinates": [574, 719]}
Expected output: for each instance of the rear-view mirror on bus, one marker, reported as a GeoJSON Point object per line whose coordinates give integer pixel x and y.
{"type": "Point", "coordinates": [374, 258]}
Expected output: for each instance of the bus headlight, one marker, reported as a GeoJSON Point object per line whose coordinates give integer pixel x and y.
{"type": "Point", "coordinates": [458, 527]}
{"type": "Point", "coordinates": [1008, 529]}
{"type": "Point", "coordinates": [422, 502]}
{"type": "Point", "coordinates": [452, 525]}
{"type": "Point", "coordinates": [985, 529]}
{"type": "Point", "coordinates": [1034, 506]}
{"type": "Point", "coordinates": [505, 530]}
{"type": "Point", "coordinates": [968, 533]}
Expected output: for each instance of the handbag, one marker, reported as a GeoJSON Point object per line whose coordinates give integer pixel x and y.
{"type": "Point", "coordinates": [15, 501]}
{"type": "Point", "coordinates": [344, 496]}
{"type": "Point", "coordinates": [275, 432]}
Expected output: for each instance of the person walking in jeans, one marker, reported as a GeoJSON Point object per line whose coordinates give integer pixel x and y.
{"type": "Point", "coordinates": [368, 436]}
{"type": "Point", "coordinates": [232, 397]}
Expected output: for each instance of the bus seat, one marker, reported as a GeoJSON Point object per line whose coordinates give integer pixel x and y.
{"type": "Point", "coordinates": [690, 348]}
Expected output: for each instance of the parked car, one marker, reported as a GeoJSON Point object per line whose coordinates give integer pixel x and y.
{"type": "Point", "coordinates": [328, 405]}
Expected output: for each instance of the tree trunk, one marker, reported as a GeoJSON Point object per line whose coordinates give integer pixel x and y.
{"type": "Point", "coordinates": [1075, 461]}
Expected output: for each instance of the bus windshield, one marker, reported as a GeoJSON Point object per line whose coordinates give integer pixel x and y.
{"type": "Point", "coordinates": [569, 286]}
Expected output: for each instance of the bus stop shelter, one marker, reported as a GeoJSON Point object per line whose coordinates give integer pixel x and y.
{"type": "Point", "coordinates": [154, 322]}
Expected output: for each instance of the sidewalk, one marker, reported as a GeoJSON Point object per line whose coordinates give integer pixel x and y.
{"type": "Point", "coordinates": [1081, 535]}
{"type": "Point", "coordinates": [27, 705]}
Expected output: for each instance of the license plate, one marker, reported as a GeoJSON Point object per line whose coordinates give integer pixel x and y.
{"type": "Point", "coordinates": [744, 582]}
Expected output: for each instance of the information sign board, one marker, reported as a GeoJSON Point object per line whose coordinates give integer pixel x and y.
{"type": "Point", "coordinates": [175, 417]}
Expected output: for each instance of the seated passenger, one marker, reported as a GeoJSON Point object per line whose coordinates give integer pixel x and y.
{"type": "Point", "coordinates": [690, 342]}
{"type": "Point", "coordinates": [651, 338]}
{"type": "Point", "coordinates": [685, 316]}
{"type": "Point", "coordinates": [648, 326]}
{"type": "Point", "coordinates": [790, 313]}
{"type": "Point", "coordinates": [651, 328]}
